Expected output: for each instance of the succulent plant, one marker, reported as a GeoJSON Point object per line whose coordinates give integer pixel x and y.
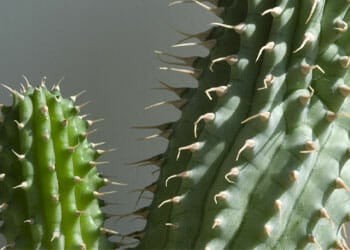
{"type": "Point", "coordinates": [259, 156]}
{"type": "Point", "coordinates": [49, 185]}
{"type": "Point", "coordinates": [257, 160]}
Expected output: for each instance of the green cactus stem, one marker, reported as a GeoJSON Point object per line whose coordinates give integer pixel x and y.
{"type": "Point", "coordinates": [259, 156]}
{"type": "Point", "coordinates": [49, 186]}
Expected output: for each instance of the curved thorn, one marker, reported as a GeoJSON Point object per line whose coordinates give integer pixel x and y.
{"type": "Point", "coordinates": [268, 80]}
{"type": "Point", "coordinates": [264, 116]}
{"type": "Point", "coordinates": [249, 144]}
{"type": "Point", "coordinates": [308, 38]}
{"type": "Point", "coordinates": [192, 147]}
{"type": "Point", "coordinates": [306, 68]}
{"type": "Point", "coordinates": [276, 11]}
{"type": "Point", "coordinates": [175, 199]}
{"type": "Point", "coordinates": [19, 156]}
{"type": "Point", "coordinates": [231, 60]}
{"type": "Point", "coordinates": [312, 11]}
{"type": "Point", "coordinates": [220, 195]}
{"type": "Point", "coordinates": [181, 175]}
{"type": "Point", "coordinates": [220, 91]}
{"type": "Point", "coordinates": [206, 117]}
{"type": "Point", "coordinates": [169, 178]}
{"type": "Point", "coordinates": [267, 47]}
{"type": "Point", "coordinates": [234, 172]}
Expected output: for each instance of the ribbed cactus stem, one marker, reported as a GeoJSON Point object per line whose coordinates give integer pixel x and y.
{"type": "Point", "coordinates": [49, 184]}
{"type": "Point", "coordinates": [259, 156]}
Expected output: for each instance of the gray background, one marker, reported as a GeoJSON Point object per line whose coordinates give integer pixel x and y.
{"type": "Point", "coordinates": [106, 48]}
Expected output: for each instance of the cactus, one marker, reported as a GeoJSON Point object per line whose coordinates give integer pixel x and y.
{"type": "Point", "coordinates": [257, 160]}
{"type": "Point", "coordinates": [48, 179]}
{"type": "Point", "coordinates": [259, 156]}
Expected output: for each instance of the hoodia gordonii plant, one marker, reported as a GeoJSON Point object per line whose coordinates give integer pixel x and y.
{"type": "Point", "coordinates": [49, 185]}
{"type": "Point", "coordinates": [259, 158]}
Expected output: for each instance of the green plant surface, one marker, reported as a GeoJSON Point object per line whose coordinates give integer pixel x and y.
{"type": "Point", "coordinates": [49, 187]}
{"type": "Point", "coordinates": [259, 156]}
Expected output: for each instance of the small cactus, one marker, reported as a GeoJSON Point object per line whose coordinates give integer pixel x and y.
{"type": "Point", "coordinates": [49, 184]}
{"type": "Point", "coordinates": [259, 156]}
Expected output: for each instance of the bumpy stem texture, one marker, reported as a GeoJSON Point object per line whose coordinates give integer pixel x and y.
{"type": "Point", "coordinates": [49, 183]}
{"type": "Point", "coordinates": [267, 164]}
